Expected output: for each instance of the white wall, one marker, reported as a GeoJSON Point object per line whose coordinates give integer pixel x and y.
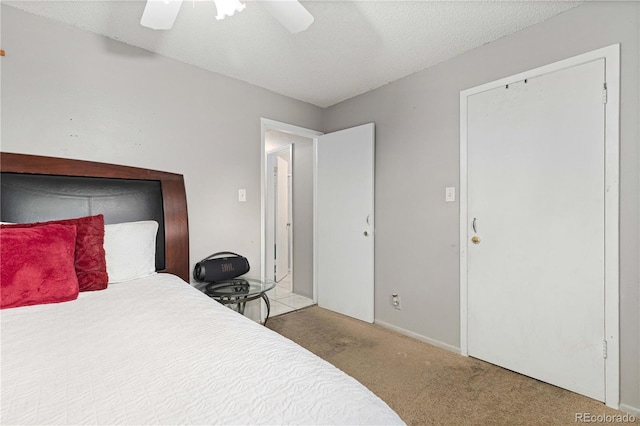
{"type": "Point", "coordinates": [417, 156]}
{"type": "Point", "coordinates": [70, 93]}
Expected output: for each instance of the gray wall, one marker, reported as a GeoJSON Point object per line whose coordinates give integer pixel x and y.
{"type": "Point", "coordinates": [303, 218]}
{"type": "Point", "coordinates": [70, 93]}
{"type": "Point", "coordinates": [417, 156]}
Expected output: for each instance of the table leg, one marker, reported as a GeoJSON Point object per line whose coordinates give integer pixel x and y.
{"type": "Point", "coordinates": [266, 301]}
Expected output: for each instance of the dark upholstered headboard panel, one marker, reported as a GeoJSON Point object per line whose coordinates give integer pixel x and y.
{"type": "Point", "coordinates": [36, 188]}
{"type": "Point", "coordinates": [38, 198]}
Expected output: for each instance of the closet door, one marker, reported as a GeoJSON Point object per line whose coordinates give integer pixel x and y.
{"type": "Point", "coordinates": [536, 227]}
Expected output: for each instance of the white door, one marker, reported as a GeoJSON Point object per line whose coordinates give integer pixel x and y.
{"type": "Point", "coordinates": [270, 217]}
{"type": "Point", "coordinates": [344, 221]}
{"type": "Point", "coordinates": [536, 203]}
{"type": "Point", "coordinates": [282, 215]}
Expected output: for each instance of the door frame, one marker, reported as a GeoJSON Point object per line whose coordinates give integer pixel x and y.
{"type": "Point", "coordinates": [268, 124]}
{"type": "Point", "coordinates": [611, 54]}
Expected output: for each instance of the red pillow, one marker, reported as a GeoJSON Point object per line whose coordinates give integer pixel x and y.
{"type": "Point", "coordinates": [90, 263]}
{"type": "Point", "coordinates": [37, 265]}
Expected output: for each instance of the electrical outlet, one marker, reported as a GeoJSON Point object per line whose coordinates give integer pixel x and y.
{"type": "Point", "coordinates": [395, 301]}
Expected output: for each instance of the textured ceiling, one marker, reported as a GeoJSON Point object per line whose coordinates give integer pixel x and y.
{"type": "Point", "coordinates": [351, 48]}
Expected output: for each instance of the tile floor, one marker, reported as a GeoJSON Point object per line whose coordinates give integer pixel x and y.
{"type": "Point", "coordinates": [283, 300]}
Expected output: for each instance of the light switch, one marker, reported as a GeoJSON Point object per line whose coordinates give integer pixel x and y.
{"type": "Point", "coordinates": [242, 195]}
{"type": "Point", "coordinates": [450, 194]}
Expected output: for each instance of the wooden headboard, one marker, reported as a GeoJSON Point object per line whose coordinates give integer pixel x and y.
{"type": "Point", "coordinates": [174, 200]}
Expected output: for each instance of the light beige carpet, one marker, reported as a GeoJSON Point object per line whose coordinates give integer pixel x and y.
{"type": "Point", "coordinates": [427, 385]}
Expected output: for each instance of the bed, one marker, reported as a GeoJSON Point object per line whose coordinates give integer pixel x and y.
{"type": "Point", "coordinates": [149, 348]}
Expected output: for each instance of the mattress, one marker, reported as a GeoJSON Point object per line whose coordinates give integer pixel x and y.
{"type": "Point", "coordinates": [157, 351]}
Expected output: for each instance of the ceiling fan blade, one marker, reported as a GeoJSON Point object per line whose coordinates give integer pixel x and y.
{"type": "Point", "coordinates": [290, 13]}
{"type": "Point", "coordinates": [160, 14]}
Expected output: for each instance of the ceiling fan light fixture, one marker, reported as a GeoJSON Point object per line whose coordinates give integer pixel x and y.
{"type": "Point", "coordinates": [228, 7]}
{"type": "Point", "coordinates": [160, 14]}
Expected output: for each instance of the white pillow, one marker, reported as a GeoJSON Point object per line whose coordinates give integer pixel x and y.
{"type": "Point", "coordinates": [130, 250]}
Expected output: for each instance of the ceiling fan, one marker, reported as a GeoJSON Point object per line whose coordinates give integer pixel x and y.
{"type": "Point", "coordinates": [161, 14]}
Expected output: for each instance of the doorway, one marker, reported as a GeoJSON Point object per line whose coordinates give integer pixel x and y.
{"type": "Point", "coordinates": [538, 228]}
{"type": "Point", "coordinates": [288, 217]}
{"type": "Point", "coordinates": [332, 222]}
{"type": "Point", "coordinates": [279, 267]}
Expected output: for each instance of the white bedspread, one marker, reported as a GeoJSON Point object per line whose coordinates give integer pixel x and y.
{"type": "Point", "coordinates": [157, 351]}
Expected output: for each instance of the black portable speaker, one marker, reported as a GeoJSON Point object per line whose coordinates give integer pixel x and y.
{"type": "Point", "coordinates": [214, 268]}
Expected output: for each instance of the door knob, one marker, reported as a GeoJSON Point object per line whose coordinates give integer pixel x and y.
{"type": "Point", "coordinates": [475, 240]}
{"type": "Point", "coordinates": [366, 234]}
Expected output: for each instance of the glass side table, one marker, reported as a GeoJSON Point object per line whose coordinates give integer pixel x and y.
{"type": "Point", "coordinates": [238, 291]}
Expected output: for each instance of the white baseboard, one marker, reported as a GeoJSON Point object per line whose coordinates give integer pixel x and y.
{"type": "Point", "coordinates": [635, 411]}
{"type": "Point", "coordinates": [420, 337]}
